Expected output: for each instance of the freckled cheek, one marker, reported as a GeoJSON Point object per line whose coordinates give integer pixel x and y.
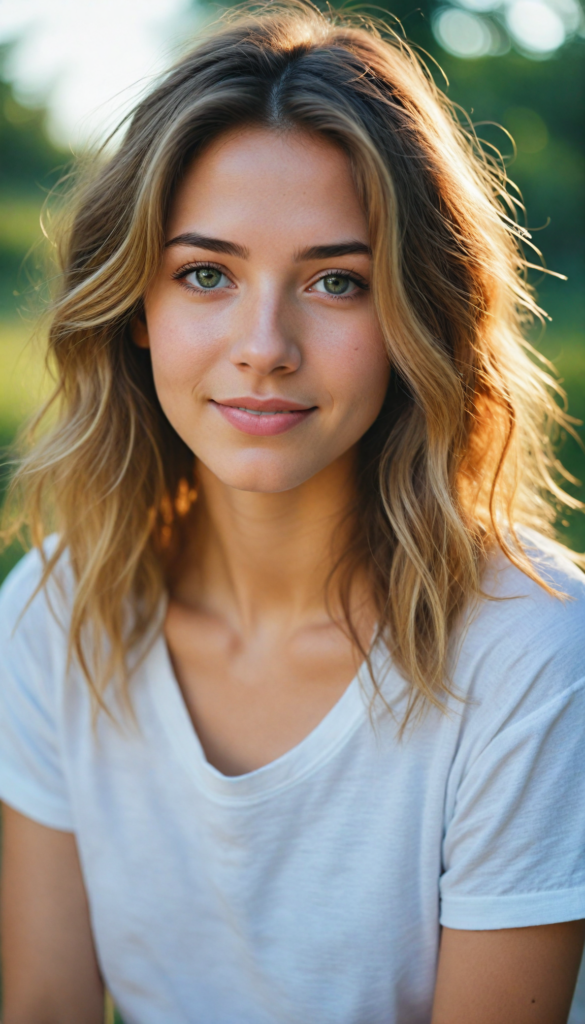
{"type": "Point", "coordinates": [355, 370]}
{"type": "Point", "coordinates": [181, 355]}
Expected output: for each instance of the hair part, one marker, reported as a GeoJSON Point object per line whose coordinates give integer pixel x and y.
{"type": "Point", "coordinates": [457, 458]}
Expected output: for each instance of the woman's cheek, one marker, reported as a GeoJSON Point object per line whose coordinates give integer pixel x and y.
{"type": "Point", "coordinates": [359, 370]}
{"type": "Point", "coordinates": [181, 354]}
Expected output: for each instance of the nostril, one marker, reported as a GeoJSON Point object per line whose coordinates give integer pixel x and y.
{"type": "Point", "coordinates": [266, 354]}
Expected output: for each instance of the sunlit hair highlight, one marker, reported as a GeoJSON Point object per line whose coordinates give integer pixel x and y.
{"type": "Point", "coordinates": [459, 456]}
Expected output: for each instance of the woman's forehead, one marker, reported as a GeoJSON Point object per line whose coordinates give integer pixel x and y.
{"type": "Point", "coordinates": [255, 180]}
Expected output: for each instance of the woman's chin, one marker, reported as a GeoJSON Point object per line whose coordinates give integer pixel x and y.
{"type": "Point", "coordinates": [261, 476]}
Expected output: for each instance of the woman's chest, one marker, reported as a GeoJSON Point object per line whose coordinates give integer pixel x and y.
{"type": "Point", "coordinates": [251, 700]}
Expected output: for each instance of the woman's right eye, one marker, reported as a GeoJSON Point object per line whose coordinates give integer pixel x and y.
{"type": "Point", "coordinates": [206, 278]}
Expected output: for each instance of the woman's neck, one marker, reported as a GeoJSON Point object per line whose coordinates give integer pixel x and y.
{"type": "Point", "coordinates": [257, 558]}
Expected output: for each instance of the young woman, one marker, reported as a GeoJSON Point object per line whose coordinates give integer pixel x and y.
{"type": "Point", "coordinates": [291, 701]}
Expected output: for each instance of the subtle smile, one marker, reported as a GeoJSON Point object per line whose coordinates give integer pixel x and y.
{"type": "Point", "coordinates": [261, 412]}
{"type": "Point", "coordinates": [263, 417]}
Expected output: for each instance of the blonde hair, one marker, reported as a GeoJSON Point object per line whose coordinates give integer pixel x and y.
{"type": "Point", "coordinates": [458, 456]}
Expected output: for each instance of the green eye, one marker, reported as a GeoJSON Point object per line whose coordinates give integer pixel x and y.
{"type": "Point", "coordinates": [335, 284]}
{"type": "Point", "coordinates": [208, 277]}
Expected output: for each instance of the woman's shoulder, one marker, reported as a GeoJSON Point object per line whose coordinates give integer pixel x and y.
{"type": "Point", "coordinates": [32, 612]}
{"type": "Point", "coordinates": [552, 559]}
{"type": "Point", "coordinates": [523, 645]}
{"type": "Point", "coordinates": [537, 614]}
{"type": "Point", "coordinates": [33, 658]}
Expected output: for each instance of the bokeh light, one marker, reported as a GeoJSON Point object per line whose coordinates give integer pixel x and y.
{"type": "Point", "coordinates": [87, 60]}
{"type": "Point", "coordinates": [464, 34]}
{"type": "Point", "coordinates": [535, 25]}
{"type": "Point", "coordinates": [537, 28]}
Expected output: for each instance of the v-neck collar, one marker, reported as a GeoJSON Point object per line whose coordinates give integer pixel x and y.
{"type": "Point", "coordinates": [301, 760]}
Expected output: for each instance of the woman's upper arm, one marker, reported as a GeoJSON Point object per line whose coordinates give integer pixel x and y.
{"type": "Point", "coordinates": [50, 970]}
{"type": "Point", "coordinates": [525, 975]}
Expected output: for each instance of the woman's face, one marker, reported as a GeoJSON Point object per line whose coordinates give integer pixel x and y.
{"type": "Point", "coordinates": [267, 354]}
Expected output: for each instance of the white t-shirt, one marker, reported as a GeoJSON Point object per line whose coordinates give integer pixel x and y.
{"type": "Point", "coordinates": [311, 889]}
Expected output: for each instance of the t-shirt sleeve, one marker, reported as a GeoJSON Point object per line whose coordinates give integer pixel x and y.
{"type": "Point", "coordinates": [514, 848]}
{"type": "Point", "coordinates": [31, 775]}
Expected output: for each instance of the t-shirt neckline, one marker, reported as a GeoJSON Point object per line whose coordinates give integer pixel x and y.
{"type": "Point", "coordinates": [315, 749]}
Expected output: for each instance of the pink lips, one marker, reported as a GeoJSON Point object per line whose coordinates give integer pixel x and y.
{"type": "Point", "coordinates": [263, 417]}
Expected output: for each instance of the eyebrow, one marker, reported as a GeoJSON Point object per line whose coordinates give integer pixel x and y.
{"type": "Point", "coordinates": [352, 247]}
{"type": "Point", "coordinates": [211, 244]}
{"type": "Point", "coordinates": [328, 252]}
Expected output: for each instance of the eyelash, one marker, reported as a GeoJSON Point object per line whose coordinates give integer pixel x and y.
{"type": "Point", "coordinates": [182, 273]}
{"type": "Point", "coordinates": [199, 265]}
{"type": "Point", "coordinates": [359, 282]}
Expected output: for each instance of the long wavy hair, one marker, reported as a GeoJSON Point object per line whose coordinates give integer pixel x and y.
{"type": "Point", "coordinates": [460, 454]}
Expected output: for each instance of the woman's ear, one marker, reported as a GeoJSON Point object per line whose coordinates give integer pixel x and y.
{"type": "Point", "coordinates": [139, 330]}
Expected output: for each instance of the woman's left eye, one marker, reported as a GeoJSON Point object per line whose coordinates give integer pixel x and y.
{"type": "Point", "coordinates": [336, 284]}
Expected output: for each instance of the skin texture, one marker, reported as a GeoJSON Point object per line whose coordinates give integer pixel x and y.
{"type": "Point", "coordinates": [519, 975]}
{"type": "Point", "coordinates": [50, 971]}
{"type": "Point", "coordinates": [258, 653]}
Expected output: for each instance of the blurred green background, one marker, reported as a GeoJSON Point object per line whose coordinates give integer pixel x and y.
{"type": "Point", "coordinates": [497, 77]}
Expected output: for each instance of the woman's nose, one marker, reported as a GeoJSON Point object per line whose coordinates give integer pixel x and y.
{"type": "Point", "coordinates": [265, 339]}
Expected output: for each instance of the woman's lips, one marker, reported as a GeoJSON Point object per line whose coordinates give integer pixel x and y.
{"type": "Point", "coordinates": [263, 418]}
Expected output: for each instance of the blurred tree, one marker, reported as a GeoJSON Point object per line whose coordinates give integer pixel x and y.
{"type": "Point", "coordinates": [28, 157]}
{"type": "Point", "coordinates": [541, 104]}
{"type": "Point", "coordinates": [29, 165]}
